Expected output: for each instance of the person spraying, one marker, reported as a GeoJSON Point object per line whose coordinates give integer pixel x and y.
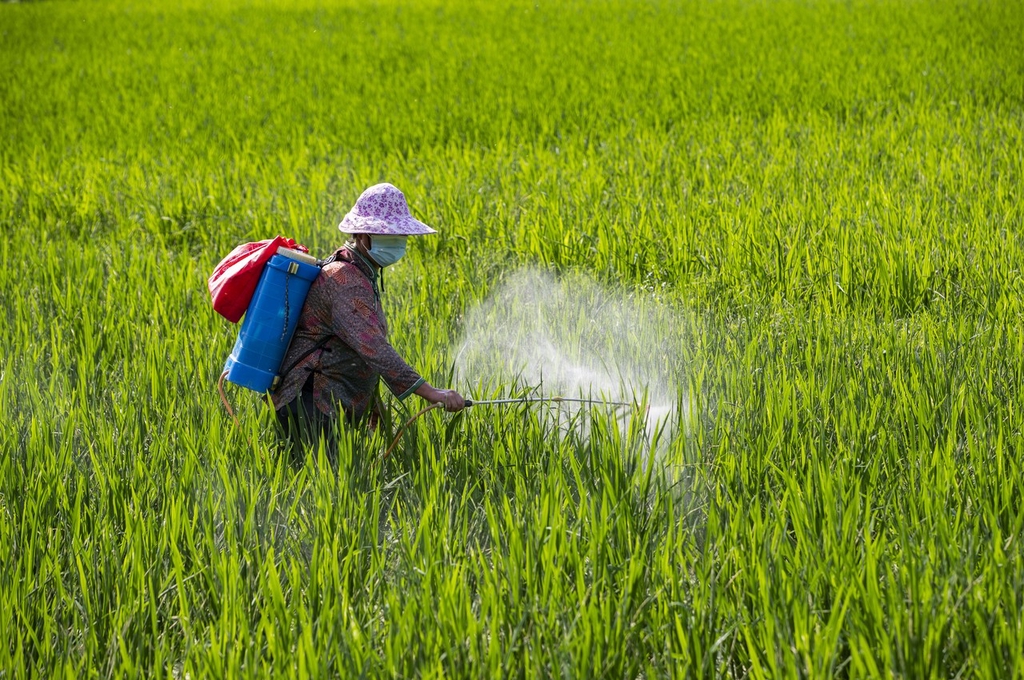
{"type": "Point", "coordinates": [340, 351]}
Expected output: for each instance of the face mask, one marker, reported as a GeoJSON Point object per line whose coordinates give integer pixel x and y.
{"type": "Point", "coordinates": [387, 250]}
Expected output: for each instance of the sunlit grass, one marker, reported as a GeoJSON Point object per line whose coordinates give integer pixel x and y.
{"type": "Point", "coordinates": [826, 195]}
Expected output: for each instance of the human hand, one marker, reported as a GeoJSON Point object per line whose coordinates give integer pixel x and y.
{"type": "Point", "coordinates": [452, 400]}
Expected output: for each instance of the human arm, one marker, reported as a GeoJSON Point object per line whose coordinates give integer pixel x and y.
{"type": "Point", "coordinates": [356, 319]}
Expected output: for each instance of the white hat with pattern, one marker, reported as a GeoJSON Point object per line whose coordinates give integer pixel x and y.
{"type": "Point", "coordinates": [382, 209]}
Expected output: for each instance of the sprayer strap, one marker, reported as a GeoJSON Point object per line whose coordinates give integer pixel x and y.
{"type": "Point", "coordinates": [326, 339]}
{"type": "Point", "coordinates": [324, 263]}
{"type": "Point", "coordinates": [319, 345]}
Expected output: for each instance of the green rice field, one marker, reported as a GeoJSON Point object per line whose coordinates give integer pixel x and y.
{"type": "Point", "coordinates": [819, 204]}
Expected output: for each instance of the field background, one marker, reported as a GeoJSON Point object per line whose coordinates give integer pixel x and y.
{"type": "Point", "coordinates": [827, 193]}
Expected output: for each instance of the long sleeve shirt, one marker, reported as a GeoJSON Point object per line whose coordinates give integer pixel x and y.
{"type": "Point", "coordinates": [343, 315]}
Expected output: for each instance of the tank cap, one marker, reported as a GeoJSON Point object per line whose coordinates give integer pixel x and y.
{"type": "Point", "coordinates": [296, 255]}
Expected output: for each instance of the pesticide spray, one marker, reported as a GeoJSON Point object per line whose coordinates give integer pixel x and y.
{"type": "Point", "coordinates": [571, 336]}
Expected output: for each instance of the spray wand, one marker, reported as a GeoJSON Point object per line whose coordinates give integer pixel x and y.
{"type": "Point", "coordinates": [494, 402]}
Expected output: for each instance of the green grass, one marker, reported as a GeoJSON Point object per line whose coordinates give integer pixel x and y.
{"type": "Point", "coordinates": [829, 194]}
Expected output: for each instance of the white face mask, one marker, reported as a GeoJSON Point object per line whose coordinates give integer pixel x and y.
{"type": "Point", "coordinates": [386, 250]}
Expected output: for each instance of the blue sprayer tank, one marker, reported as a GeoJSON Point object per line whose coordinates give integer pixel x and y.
{"type": "Point", "coordinates": [270, 320]}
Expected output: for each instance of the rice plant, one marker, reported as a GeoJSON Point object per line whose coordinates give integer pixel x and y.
{"type": "Point", "coordinates": [818, 202]}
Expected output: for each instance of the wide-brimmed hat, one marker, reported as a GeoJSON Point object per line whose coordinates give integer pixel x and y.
{"type": "Point", "coordinates": [382, 209]}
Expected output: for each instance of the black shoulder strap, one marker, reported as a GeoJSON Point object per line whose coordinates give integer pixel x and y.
{"type": "Point", "coordinates": [324, 263]}
{"type": "Point", "coordinates": [326, 338]}
{"type": "Point", "coordinates": [324, 341]}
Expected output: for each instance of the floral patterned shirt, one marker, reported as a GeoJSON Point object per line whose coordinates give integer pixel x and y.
{"type": "Point", "coordinates": [341, 339]}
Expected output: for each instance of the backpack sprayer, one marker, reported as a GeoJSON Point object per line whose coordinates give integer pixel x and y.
{"type": "Point", "coordinates": [269, 324]}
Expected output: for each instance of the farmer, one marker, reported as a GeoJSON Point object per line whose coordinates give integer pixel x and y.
{"type": "Point", "coordinates": [340, 350]}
